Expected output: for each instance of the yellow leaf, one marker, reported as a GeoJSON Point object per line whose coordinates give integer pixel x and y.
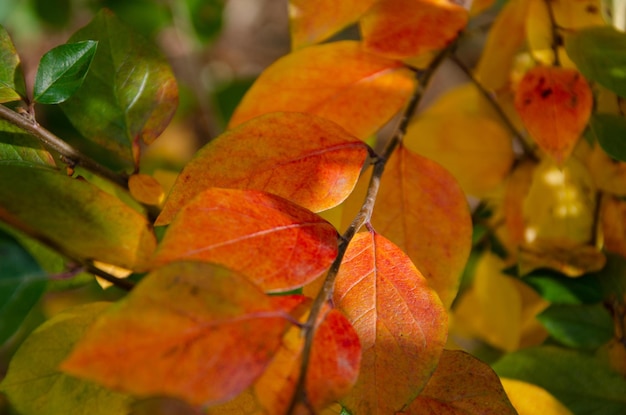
{"type": "Point", "coordinates": [529, 399]}
{"type": "Point", "coordinates": [146, 189]}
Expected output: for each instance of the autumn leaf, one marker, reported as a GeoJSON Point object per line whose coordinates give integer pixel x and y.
{"type": "Point", "coordinates": [313, 21]}
{"type": "Point", "coordinates": [462, 385]}
{"type": "Point", "coordinates": [555, 105]}
{"type": "Point", "coordinates": [421, 208]}
{"type": "Point", "coordinates": [303, 158]}
{"type": "Point", "coordinates": [146, 189]}
{"type": "Point", "coordinates": [400, 321]}
{"type": "Point", "coordinates": [401, 29]}
{"type": "Point", "coordinates": [291, 245]}
{"type": "Point", "coordinates": [361, 97]}
{"type": "Point", "coordinates": [529, 399]}
{"type": "Point", "coordinates": [192, 324]}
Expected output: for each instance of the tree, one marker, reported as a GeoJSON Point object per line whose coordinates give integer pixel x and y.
{"type": "Point", "coordinates": [306, 261]}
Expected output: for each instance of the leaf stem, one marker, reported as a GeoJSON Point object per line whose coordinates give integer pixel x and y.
{"type": "Point", "coordinates": [70, 155]}
{"type": "Point", "coordinates": [362, 218]}
{"type": "Point", "coordinates": [556, 37]}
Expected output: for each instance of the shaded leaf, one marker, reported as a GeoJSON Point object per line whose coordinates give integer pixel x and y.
{"type": "Point", "coordinates": [556, 288]}
{"type": "Point", "coordinates": [17, 146]}
{"type": "Point", "coordinates": [400, 321]}
{"type": "Point", "coordinates": [22, 282]}
{"type": "Point", "coordinates": [578, 326]}
{"type": "Point", "coordinates": [206, 17]}
{"type": "Point", "coordinates": [75, 217]}
{"type": "Point", "coordinates": [598, 52]}
{"type": "Point", "coordinates": [62, 71]}
{"type": "Point", "coordinates": [292, 246]}
{"type": "Point", "coordinates": [300, 157]}
{"type": "Point", "coordinates": [194, 324]}
{"type": "Point", "coordinates": [572, 377]}
{"type": "Point", "coordinates": [34, 384]}
{"type": "Point", "coordinates": [130, 90]}
{"type": "Point", "coordinates": [529, 399]}
{"type": "Point", "coordinates": [11, 77]}
{"type": "Point", "coordinates": [406, 28]}
{"type": "Point", "coordinates": [380, 86]}
{"type": "Point", "coordinates": [163, 406]}
{"type": "Point", "coordinates": [312, 22]}
{"type": "Point", "coordinates": [435, 228]}
{"type": "Point", "coordinates": [146, 189]}
{"type": "Point", "coordinates": [610, 131]}
{"type": "Point", "coordinates": [555, 105]}
{"type": "Point", "coordinates": [462, 385]}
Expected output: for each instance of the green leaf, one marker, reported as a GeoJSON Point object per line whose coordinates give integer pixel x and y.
{"type": "Point", "coordinates": [35, 386]}
{"type": "Point", "coordinates": [598, 52]}
{"type": "Point", "coordinates": [75, 217]}
{"type": "Point", "coordinates": [17, 146]}
{"type": "Point", "coordinates": [130, 90]}
{"type": "Point", "coordinates": [55, 13]}
{"type": "Point", "coordinates": [206, 17]}
{"type": "Point", "coordinates": [11, 76]}
{"type": "Point", "coordinates": [22, 282]}
{"type": "Point", "coordinates": [62, 71]}
{"type": "Point", "coordinates": [579, 326]}
{"type": "Point", "coordinates": [610, 131]}
{"type": "Point", "coordinates": [560, 289]}
{"type": "Point", "coordinates": [581, 382]}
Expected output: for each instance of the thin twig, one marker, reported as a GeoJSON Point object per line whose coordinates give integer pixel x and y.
{"type": "Point", "coordinates": [69, 153]}
{"type": "Point", "coordinates": [124, 284]}
{"type": "Point", "coordinates": [556, 37]}
{"type": "Point", "coordinates": [528, 150]}
{"type": "Point", "coordinates": [362, 218]}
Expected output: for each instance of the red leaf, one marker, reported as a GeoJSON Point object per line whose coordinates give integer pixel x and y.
{"type": "Point", "coordinates": [292, 246]}
{"type": "Point", "coordinates": [361, 97]}
{"type": "Point", "coordinates": [303, 158]}
{"type": "Point", "coordinates": [400, 321]}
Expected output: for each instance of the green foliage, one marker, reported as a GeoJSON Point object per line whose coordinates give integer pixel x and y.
{"type": "Point", "coordinates": [11, 77]}
{"type": "Point", "coordinates": [578, 326]}
{"type": "Point", "coordinates": [610, 131]}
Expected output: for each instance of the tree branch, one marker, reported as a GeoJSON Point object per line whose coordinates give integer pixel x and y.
{"type": "Point", "coordinates": [557, 40]}
{"type": "Point", "coordinates": [362, 218]}
{"type": "Point", "coordinates": [70, 155]}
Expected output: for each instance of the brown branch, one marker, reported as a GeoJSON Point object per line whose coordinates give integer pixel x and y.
{"type": "Point", "coordinates": [123, 284]}
{"type": "Point", "coordinates": [557, 40]}
{"type": "Point", "coordinates": [362, 218]}
{"type": "Point", "coordinates": [70, 155]}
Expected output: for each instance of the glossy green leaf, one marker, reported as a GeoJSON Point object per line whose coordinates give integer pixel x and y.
{"type": "Point", "coordinates": [560, 289]}
{"type": "Point", "coordinates": [610, 131]}
{"type": "Point", "coordinates": [17, 146]}
{"type": "Point", "coordinates": [62, 71]}
{"type": "Point", "coordinates": [580, 381]}
{"type": "Point", "coordinates": [22, 282]}
{"type": "Point", "coordinates": [130, 90]}
{"type": "Point", "coordinates": [74, 216]}
{"type": "Point", "coordinates": [11, 76]}
{"type": "Point", "coordinates": [35, 386]}
{"type": "Point", "coordinates": [598, 52]}
{"type": "Point", "coordinates": [578, 326]}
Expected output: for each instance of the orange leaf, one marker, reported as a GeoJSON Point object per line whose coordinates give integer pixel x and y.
{"type": "Point", "coordinates": [189, 330]}
{"type": "Point", "coordinates": [303, 158]}
{"type": "Point", "coordinates": [462, 385]}
{"type": "Point", "coordinates": [421, 208]}
{"type": "Point", "coordinates": [400, 321]}
{"type": "Point", "coordinates": [292, 246]}
{"type": "Point", "coordinates": [361, 97]}
{"type": "Point", "coordinates": [146, 189]}
{"type": "Point", "coordinates": [314, 21]}
{"type": "Point", "coordinates": [407, 28]}
{"type": "Point", "coordinates": [555, 105]}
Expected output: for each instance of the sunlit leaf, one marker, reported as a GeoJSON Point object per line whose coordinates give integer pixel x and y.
{"type": "Point", "coordinates": [291, 245]}
{"type": "Point", "coordinates": [400, 321]}
{"type": "Point", "coordinates": [610, 131]}
{"type": "Point", "coordinates": [529, 399]}
{"type": "Point", "coordinates": [598, 54]}
{"type": "Point", "coordinates": [462, 385]}
{"type": "Point", "coordinates": [34, 384]}
{"type": "Point", "coordinates": [505, 38]}
{"type": "Point", "coordinates": [300, 157]}
{"type": "Point", "coordinates": [361, 97]}
{"type": "Point", "coordinates": [11, 77]}
{"type": "Point", "coordinates": [62, 71]}
{"type": "Point", "coordinates": [578, 326]}
{"type": "Point", "coordinates": [421, 208]}
{"type": "Point", "coordinates": [130, 90]}
{"type": "Point", "coordinates": [74, 216]}
{"type": "Point", "coordinates": [16, 145]}
{"type": "Point", "coordinates": [555, 105]}
{"type": "Point", "coordinates": [581, 382]}
{"type": "Point", "coordinates": [22, 282]}
{"type": "Point", "coordinates": [192, 324]}
{"type": "Point", "coordinates": [405, 28]}
{"type": "Point", "coordinates": [313, 21]}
